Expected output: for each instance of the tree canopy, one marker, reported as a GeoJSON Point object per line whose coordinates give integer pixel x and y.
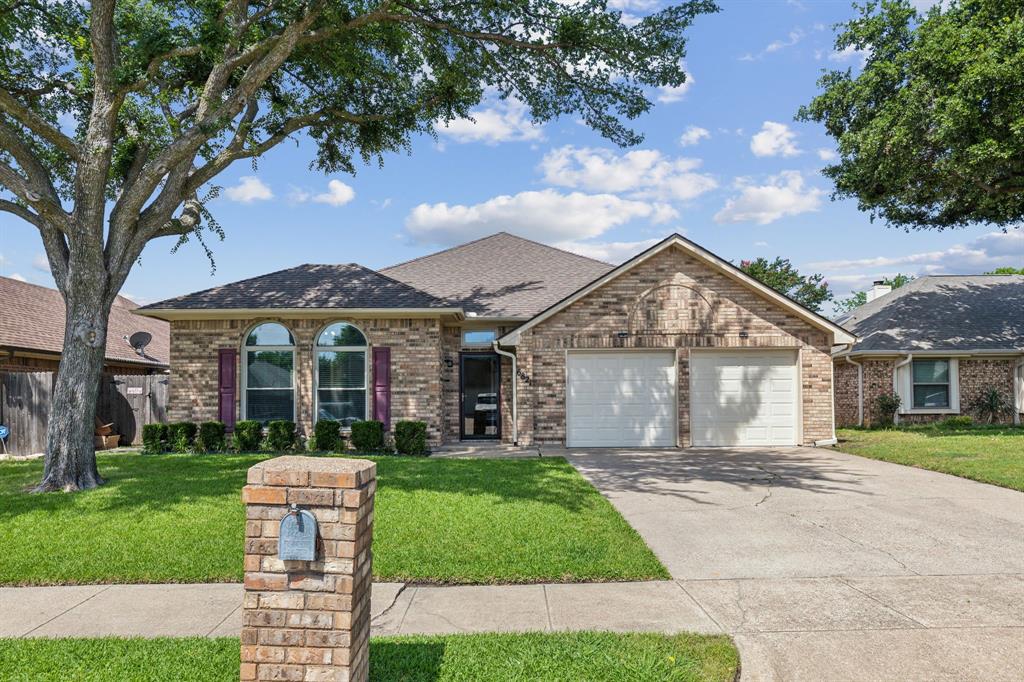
{"type": "Point", "coordinates": [930, 133]}
{"type": "Point", "coordinates": [810, 291]}
{"type": "Point", "coordinates": [1006, 271]}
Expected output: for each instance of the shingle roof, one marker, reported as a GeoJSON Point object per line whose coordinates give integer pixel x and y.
{"type": "Point", "coordinates": [946, 312]}
{"type": "Point", "coordinates": [307, 286]}
{"type": "Point", "coordinates": [500, 276]}
{"type": "Point", "coordinates": [33, 319]}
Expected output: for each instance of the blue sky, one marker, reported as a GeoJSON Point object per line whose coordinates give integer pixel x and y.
{"type": "Point", "coordinates": [723, 162]}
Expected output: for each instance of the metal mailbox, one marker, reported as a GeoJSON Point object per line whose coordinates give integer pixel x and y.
{"type": "Point", "coordinates": [297, 540]}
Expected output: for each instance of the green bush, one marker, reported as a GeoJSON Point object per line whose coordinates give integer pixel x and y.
{"type": "Point", "coordinates": [281, 435]}
{"type": "Point", "coordinates": [959, 422]}
{"type": "Point", "coordinates": [411, 438]}
{"type": "Point", "coordinates": [368, 436]}
{"type": "Point", "coordinates": [991, 405]}
{"type": "Point", "coordinates": [886, 406]}
{"type": "Point", "coordinates": [248, 435]}
{"type": "Point", "coordinates": [154, 438]}
{"type": "Point", "coordinates": [210, 437]}
{"type": "Point", "coordinates": [326, 436]}
{"type": "Point", "coordinates": [181, 435]}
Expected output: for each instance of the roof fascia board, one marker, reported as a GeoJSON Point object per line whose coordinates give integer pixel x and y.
{"type": "Point", "coordinates": [840, 335]}
{"type": "Point", "coordinates": [40, 354]}
{"type": "Point", "coordinates": [234, 313]}
{"type": "Point", "coordinates": [948, 353]}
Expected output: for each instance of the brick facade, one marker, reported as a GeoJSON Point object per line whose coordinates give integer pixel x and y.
{"type": "Point", "coordinates": [416, 362]}
{"type": "Point", "coordinates": [975, 376]}
{"type": "Point", "coordinates": [671, 300]}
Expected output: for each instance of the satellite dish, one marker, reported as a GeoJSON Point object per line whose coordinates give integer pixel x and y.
{"type": "Point", "coordinates": [139, 341]}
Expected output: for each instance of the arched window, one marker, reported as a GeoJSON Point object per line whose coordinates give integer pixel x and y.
{"type": "Point", "coordinates": [341, 374]}
{"type": "Point", "coordinates": [268, 380]}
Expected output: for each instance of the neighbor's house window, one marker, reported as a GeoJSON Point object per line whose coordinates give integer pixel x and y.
{"type": "Point", "coordinates": [478, 337]}
{"type": "Point", "coordinates": [269, 377]}
{"type": "Point", "coordinates": [341, 374]}
{"type": "Point", "coordinates": [931, 384]}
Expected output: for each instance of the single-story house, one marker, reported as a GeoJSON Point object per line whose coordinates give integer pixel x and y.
{"type": "Point", "coordinates": [937, 342]}
{"type": "Point", "coordinates": [507, 339]}
{"type": "Point", "coordinates": [32, 333]}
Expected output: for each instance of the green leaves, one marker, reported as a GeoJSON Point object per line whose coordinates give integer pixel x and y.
{"type": "Point", "coordinates": [810, 291]}
{"type": "Point", "coordinates": [931, 132]}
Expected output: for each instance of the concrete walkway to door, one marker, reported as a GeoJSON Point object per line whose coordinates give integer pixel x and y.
{"type": "Point", "coordinates": [827, 566]}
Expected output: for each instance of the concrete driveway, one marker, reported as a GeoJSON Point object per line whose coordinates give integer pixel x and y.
{"type": "Point", "coordinates": [827, 566]}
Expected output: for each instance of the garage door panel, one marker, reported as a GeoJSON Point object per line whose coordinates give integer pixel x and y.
{"type": "Point", "coordinates": [621, 399]}
{"type": "Point", "coordinates": [744, 398]}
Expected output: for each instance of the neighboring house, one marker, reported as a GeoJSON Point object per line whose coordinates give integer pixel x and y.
{"type": "Point", "coordinates": [937, 342]}
{"type": "Point", "coordinates": [507, 339]}
{"type": "Point", "coordinates": [32, 333]}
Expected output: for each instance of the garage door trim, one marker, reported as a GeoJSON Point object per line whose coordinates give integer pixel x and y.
{"type": "Point", "coordinates": [642, 351]}
{"type": "Point", "coordinates": [799, 398]}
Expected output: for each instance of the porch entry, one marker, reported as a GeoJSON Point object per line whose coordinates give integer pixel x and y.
{"type": "Point", "coordinates": [479, 388]}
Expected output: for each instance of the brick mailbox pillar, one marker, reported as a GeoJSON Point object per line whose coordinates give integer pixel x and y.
{"type": "Point", "coordinates": [308, 620]}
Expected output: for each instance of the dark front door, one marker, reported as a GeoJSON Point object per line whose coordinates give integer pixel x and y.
{"type": "Point", "coordinates": [480, 382]}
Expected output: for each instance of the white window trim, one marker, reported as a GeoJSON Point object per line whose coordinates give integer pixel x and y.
{"type": "Point", "coordinates": [906, 388]}
{"type": "Point", "coordinates": [244, 369]}
{"type": "Point", "coordinates": [367, 384]}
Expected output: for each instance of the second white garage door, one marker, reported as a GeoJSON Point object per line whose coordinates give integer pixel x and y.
{"type": "Point", "coordinates": [621, 399]}
{"type": "Point", "coordinates": [743, 398]}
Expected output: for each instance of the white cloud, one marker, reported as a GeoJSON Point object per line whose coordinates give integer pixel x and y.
{"type": "Point", "coordinates": [609, 252]}
{"type": "Point", "coordinates": [668, 94]}
{"type": "Point", "coordinates": [16, 276]}
{"type": "Point", "coordinates": [337, 194]}
{"type": "Point", "coordinates": [850, 53]}
{"type": "Point", "coordinates": [761, 244]}
{"type": "Point", "coordinates": [249, 189]}
{"type": "Point", "coordinates": [642, 173]}
{"type": "Point", "coordinates": [546, 215]}
{"type": "Point", "coordinates": [826, 154]}
{"type": "Point", "coordinates": [774, 139]}
{"type": "Point", "coordinates": [987, 252]}
{"type": "Point", "coordinates": [40, 262]}
{"type": "Point", "coordinates": [784, 194]}
{"type": "Point", "coordinates": [504, 121]}
{"type": "Point", "coordinates": [791, 39]}
{"type": "Point", "coordinates": [692, 135]}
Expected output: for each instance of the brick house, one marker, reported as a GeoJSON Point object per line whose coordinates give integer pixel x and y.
{"type": "Point", "coordinates": [509, 340]}
{"type": "Point", "coordinates": [937, 342]}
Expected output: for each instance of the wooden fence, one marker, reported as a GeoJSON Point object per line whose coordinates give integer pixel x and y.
{"type": "Point", "coordinates": [127, 401]}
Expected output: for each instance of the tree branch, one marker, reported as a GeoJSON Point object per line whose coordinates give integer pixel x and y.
{"type": "Point", "coordinates": [21, 212]}
{"type": "Point", "coordinates": [29, 119]}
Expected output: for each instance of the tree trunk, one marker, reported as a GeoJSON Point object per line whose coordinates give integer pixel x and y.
{"type": "Point", "coordinates": [70, 462]}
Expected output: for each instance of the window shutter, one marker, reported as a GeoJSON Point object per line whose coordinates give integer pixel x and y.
{"type": "Point", "coordinates": [382, 386]}
{"type": "Point", "coordinates": [226, 367]}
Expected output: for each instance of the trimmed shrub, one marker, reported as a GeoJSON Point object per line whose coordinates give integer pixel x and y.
{"type": "Point", "coordinates": [886, 406]}
{"type": "Point", "coordinates": [962, 421]}
{"type": "Point", "coordinates": [368, 436]}
{"type": "Point", "coordinates": [991, 405]}
{"type": "Point", "coordinates": [411, 438]}
{"type": "Point", "coordinates": [281, 435]}
{"type": "Point", "coordinates": [326, 436]}
{"type": "Point", "coordinates": [210, 437]}
{"type": "Point", "coordinates": [181, 435]}
{"type": "Point", "coordinates": [248, 435]}
{"type": "Point", "coordinates": [154, 438]}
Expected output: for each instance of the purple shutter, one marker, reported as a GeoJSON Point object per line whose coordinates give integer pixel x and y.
{"type": "Point", "coordinates": [382, 386]}
{"type": "Point", "coordinates": [226, 364]}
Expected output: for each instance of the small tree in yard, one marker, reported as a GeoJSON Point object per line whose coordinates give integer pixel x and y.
{"type": "Point", "coordinates": [886, 406]}
{"type": "Point", "coordinates": [990, 405]}
{"type": "Point", "coordinates": [162, 96]}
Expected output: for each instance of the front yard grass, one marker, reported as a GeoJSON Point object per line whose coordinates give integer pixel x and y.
{"type": "Point", "coordinates": [990, 454]}
{"type": "Point", "coordinates": [571, 656]}
{"type": "Point", "coordinates": [179, 518]}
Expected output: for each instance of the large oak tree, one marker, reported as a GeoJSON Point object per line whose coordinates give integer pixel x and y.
{"type": "Point", "coordinates": [931, 131]}
{"type": "Point", "coordinates": [116, 117]}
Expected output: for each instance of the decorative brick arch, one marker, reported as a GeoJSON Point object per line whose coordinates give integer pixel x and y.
{"type": "Point", "coordinates": [673, 306]}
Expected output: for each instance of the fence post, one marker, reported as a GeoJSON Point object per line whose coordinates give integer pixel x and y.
{"type": "Point", "coordinates": [308, 620]}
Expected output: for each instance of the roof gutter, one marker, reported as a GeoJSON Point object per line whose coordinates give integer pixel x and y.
{"type": "Point", "coordinates": [895, 382]}
{"type": "Point", "coordinates": [1018, 390]}
{"type": "Point", "coordinates": [234, 313]}
{"type": "Point", "coordinates": [515, 393]}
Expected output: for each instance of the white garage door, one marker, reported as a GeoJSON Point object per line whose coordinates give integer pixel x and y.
{"type": "Point", "coordinates": [625, 399]}
{"type": "Point", "coordinates": [744, 398]}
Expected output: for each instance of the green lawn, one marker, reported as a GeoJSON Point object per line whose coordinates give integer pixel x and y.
{"type": "Point", "coordinates": [179, 518]}
{"type": "Point", "coordinates": [982, 453]}
{"type": "Point", "coordinates": [574, 656]}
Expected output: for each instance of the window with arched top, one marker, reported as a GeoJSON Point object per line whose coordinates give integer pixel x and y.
{"type": "Point", "coordinates": [341, 374]}
{"type": "Point", "coordinates": [268, 379]}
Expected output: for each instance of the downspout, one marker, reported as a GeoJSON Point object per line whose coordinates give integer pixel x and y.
{"type": "Point", "coordinates": [515, 393]}
{"type": "Point", "coordinates": [1018, 391]}
{"type": "Point", "coordinates": [860, 389]}
{"type": "Point", "coordinates": [895, 380]}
